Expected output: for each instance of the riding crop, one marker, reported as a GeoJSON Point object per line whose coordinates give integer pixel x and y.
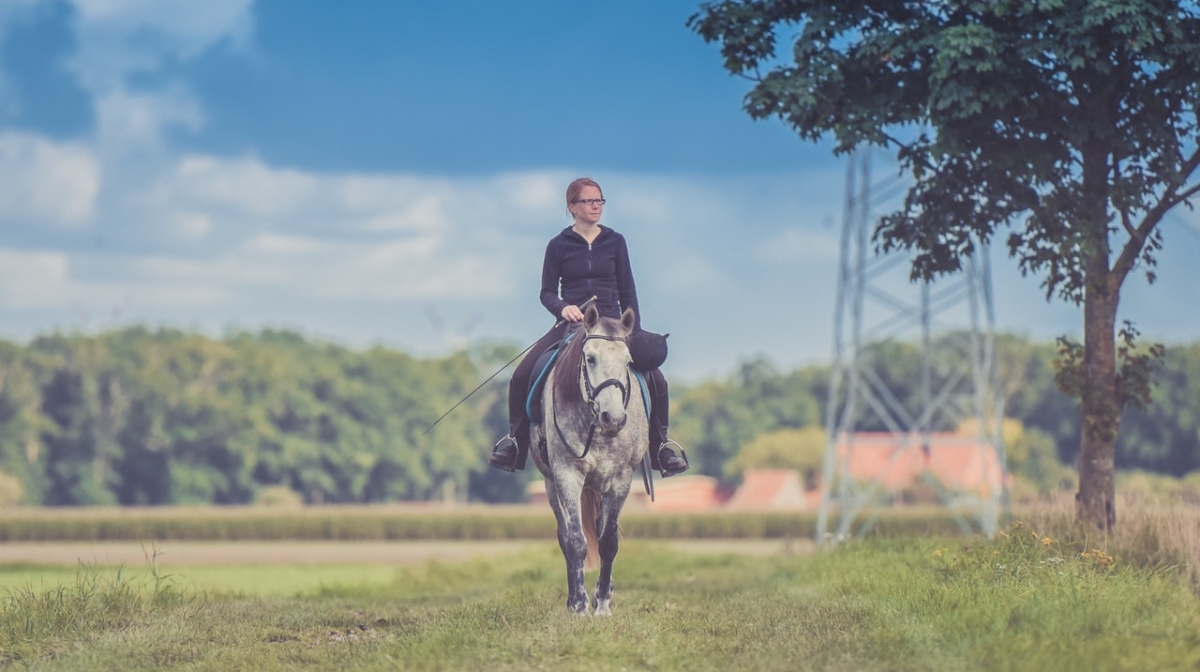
{"type": "Point", "coordinates": [489, 378]}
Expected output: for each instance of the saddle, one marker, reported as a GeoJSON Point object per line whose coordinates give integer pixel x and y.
{"type": "Point", "coordinates": [541, 370]}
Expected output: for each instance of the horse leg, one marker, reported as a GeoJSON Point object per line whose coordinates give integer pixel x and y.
{"type": "Point", "coordinates": [610, 513]}
{"type": "Point", "coordinates": [571, 539]}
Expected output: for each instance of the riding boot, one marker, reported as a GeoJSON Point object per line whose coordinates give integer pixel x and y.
{"type": "Point", "coordinates": [670, 463]}
{"type": "Point", "coordinates": [522, 434]}
{"type": "Point", "coordinates": [505, 454]}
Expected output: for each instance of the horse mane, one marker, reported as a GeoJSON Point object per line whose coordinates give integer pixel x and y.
{"type": "Point", "coordinates": [566, 370]}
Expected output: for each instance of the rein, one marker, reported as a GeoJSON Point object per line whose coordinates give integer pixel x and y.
{"type": "Point", "coordinates": [592, 391]}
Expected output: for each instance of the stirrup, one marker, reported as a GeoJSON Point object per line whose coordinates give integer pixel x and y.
{"type": "Point", "coordinates": [504, 454]}
{"type": "Point", "coordinates": [672, 471]}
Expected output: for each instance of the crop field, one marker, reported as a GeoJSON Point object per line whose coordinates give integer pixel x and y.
{"type": "Point", "coordinates": [1040, 596]}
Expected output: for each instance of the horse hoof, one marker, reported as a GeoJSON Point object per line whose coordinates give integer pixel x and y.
{"type": "Point", "coordinates": [603, 609]}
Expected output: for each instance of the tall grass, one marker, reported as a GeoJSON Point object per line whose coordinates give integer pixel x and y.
{"type": "Point", "coordinates": [35, 622]}
{"type": "Point", "coordinates": [1153, 531]}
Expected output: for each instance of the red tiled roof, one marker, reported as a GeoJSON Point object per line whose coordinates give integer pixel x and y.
{"type": "Point", "coordinates": [897, 460]}
{"type": "Point", "coordinates": [770, 489]}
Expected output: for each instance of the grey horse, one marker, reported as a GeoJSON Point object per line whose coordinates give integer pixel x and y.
{"type": "Point", "coordinates": [593, 435]}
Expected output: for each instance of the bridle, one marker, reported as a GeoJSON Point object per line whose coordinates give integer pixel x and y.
{"type": "Point", "coordinates": [593, 390]}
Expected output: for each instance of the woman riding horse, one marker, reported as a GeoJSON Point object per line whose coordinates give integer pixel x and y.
{"type": "Point", "coordinates": [585, 260]}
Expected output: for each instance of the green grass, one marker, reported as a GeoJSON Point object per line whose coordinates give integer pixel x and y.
{"type": "Point", "coordinates": [407, 523]}
{"type": "Point", "coordinates": [1020, 602]}
{"type": "Point", "coordinates": [257, 580]}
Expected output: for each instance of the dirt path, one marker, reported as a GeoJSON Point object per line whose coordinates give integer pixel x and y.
{"type": "Point", "coordinates": [180, 553]}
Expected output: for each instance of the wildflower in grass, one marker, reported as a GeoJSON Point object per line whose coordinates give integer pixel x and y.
{"type": "Point", "coordinates": [938, 553]}
{"type": "Point", "coordinates": [1047, 541]}
{"type": "Point", "coordinates": [1098, 557]}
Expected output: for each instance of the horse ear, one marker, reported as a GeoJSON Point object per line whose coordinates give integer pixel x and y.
{"type": "Point", "coordinates": [591, 317]}
{"type": "Point", "coordinates": [628, 320]}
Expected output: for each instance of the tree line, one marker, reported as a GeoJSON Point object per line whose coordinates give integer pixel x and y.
{"type": "Point", "coordinates": [166, 417]}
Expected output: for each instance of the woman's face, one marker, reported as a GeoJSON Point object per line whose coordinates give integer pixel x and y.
{"type": "Point", "coordinates": [587, 212]}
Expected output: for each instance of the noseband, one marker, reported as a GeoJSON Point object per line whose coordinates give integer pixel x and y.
{"type": "Point", "coordinates": [611, 382]}
{"type": "Point", "coordinates": [593, 391]}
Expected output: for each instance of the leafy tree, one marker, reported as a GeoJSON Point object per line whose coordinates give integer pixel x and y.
{"type": "Point", "coordinates": [21, 420]}
{"type": "Point", "coordinates": [799, 449]}
{"type": "Point", "coordinates": [1073, 121]}
{"type": "Point", "coordinates": [715, 419]}
{"type": "Point", "coordinates": [1165, 437]}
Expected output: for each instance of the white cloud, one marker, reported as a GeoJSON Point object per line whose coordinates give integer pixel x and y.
{"type": "Point", "coordinates": [32, 279]}
{"type": "Point", "coordinates": [43, 182]}
{"type": "Point", "coordinates": [800, 245]}
{"type": "Point", "coordinates": [244, 186]}
{"type": "Point", "coordinates": [118, 38]}
{"type": "Point", "coordinates": [691, 275]}
{"type": "Point", "coordinates": [127, 120]}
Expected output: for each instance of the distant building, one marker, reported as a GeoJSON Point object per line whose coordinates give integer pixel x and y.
{"type": "Point", "coordinates": [678, 493]}
{"type": "Point", "coordinates": [771, 489]}
{"type": "Point", "coordinates": [899, 461]}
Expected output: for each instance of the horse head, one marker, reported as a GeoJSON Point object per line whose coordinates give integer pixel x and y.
{"type": "Point", "coordinates": [604, 374]}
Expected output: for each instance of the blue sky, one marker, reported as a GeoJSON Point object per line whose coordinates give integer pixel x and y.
{"type": "Point", "coordinates": [387, 172]}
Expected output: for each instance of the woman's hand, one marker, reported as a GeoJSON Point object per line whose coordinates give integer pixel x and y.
{"type": "Point", "coordinates": [572, 314]}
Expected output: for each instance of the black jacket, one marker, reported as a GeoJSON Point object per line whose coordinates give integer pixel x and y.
{"type": "Point", "coordinates": [575, 271]}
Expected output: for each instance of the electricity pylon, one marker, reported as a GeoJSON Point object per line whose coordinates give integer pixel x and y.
{"type": "Point", "coordinates": [869, 416]}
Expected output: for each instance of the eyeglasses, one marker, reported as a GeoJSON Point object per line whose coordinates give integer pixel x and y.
{"type": "Point", "coordinates": [589, 201]}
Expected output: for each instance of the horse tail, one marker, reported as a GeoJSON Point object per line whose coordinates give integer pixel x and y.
{"type": "Point", "coordinates": [589, 509]}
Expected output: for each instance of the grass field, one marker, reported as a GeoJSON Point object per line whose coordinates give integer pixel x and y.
{"type": "Point", "coordinates": [1023, 601]}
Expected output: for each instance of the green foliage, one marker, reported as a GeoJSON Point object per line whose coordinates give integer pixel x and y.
{"type": "Point", "coordinates": [139, 417]}
{"type": "Point", "coordinates": [1057, 115]}
{"type": "Point", "coordinates": [1032, 455]}
{"type": "Point", "coordinates": [1136, 368]}
{"type": "Point", "coordinates": [149, 418]}
{"type": "Point", "coordinates": [11, 490]}
{"type": "Point", "coordinates": [799, 449]}
{"type": "Point", "coordinates": [715, 419]}
{"type": "Point", "coordinates": [280, 496]}
{"type": "Point", "coordinates": [1165, 436]}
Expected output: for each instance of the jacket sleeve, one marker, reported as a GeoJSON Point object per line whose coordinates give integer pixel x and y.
{"type": "Point", "coordinates": [626, 289]}
{"type": "Point", "coordinates": [551, 274]}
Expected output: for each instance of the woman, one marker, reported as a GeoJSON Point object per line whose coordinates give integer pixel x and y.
{"type": "Point", "coordinates": [584, 260]}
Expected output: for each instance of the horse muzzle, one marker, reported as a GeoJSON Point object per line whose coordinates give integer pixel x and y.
{"type": "Point", "coordinates": [611, 423]}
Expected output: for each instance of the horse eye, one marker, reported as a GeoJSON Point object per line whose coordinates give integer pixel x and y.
{"type": "Point", "coordinates": [591, 360]}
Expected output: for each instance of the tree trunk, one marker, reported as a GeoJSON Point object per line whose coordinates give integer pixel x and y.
{"type": "Point", "coordinates": [1094, 503]}
{"type": "Point", "coordinates": [1100, 407]}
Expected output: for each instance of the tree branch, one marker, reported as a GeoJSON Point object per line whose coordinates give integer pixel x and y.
{"type": "Point", "coordinates": [1125, 221]}
{"type": "Point", "coordinates": [1137, 237]}
{"type": "Point", "coordinates": [1192, 191]}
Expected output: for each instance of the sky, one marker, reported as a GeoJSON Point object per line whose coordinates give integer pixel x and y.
{"type": "Point", "coordinates": [387, 173]}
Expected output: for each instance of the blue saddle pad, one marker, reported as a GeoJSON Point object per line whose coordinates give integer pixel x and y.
{"type": "Point", "coordinates": [537, 383]}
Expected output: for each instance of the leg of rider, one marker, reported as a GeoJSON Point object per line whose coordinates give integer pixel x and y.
{"type": "Point", "coordinates": [659, 412]}
{"type": "Point", "coordinates": [669, 462]}
{"type": "Point", "coordinates": [518, 392]}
